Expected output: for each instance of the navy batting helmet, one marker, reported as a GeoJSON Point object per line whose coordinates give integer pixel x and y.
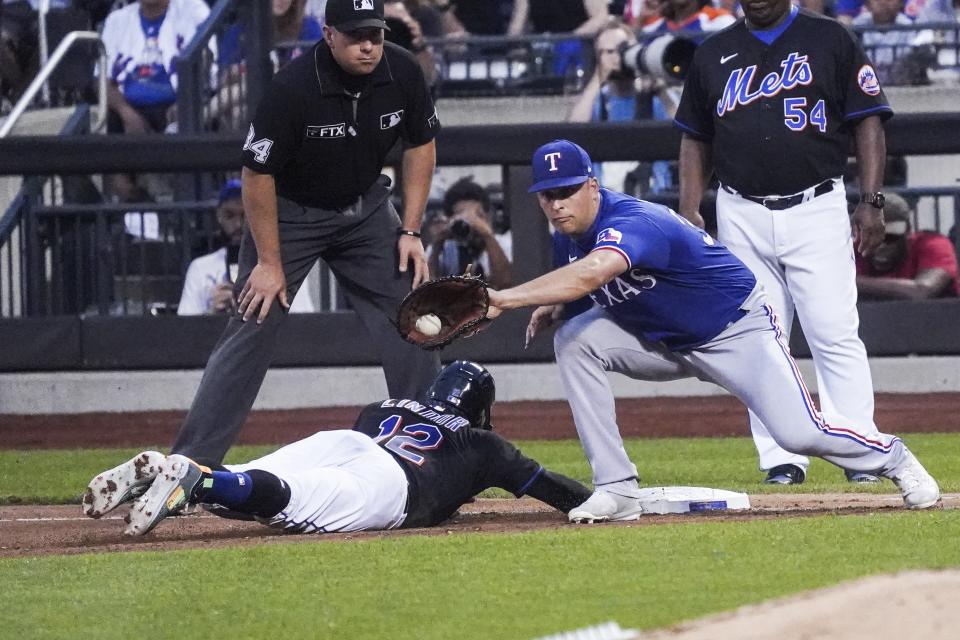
{"type": "Point", "coordinates": [466, 388]}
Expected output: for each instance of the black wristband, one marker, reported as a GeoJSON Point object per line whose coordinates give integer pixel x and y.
{"type": "Point", "coordinates": [406, 232]}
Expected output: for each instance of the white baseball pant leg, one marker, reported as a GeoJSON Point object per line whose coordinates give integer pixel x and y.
{"type": "Point", "coordinates": [339, 481]}
{"type": "Point", "coordinates": [587, 347]}
{"type": "Point", "coordinates": [803, 256]}
{"type": "Point", "coordinates": [750, 359]}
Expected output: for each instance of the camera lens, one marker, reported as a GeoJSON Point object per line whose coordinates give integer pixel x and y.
{"type": "Point", "coordinates": [460, 229]}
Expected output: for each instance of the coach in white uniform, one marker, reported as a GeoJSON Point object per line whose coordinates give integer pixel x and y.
{"type": "Point", "coordinates": [770, 104]}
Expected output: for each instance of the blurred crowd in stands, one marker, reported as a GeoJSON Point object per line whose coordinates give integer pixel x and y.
{"type": "Point", "coordinates": [582, 54]}
{"type": "Point", "coordinates": [427, 28]}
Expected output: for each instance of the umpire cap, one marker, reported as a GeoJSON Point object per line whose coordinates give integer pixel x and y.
{"type": "Point", "coordinates": [350, 15]}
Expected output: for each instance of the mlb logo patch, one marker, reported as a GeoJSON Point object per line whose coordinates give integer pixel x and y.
{"type": "Point", "coordinates": [390, 120]}
{"type": "Point", "coordinates": [609, 235]}
{"type": "Point", "coordinates": [868, 81]}
{"type": "Point", "coordinates": [363, 5]}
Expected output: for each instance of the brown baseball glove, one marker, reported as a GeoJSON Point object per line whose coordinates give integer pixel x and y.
{"type": "Point", "coordinates": [460, 303]}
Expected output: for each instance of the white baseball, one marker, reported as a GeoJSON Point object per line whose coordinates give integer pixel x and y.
{"type": "Point", "coordinates": [429, 325]}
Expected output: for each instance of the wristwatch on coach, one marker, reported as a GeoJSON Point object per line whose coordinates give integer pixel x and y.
{"type": "Point", "coordinates": [876, 200]}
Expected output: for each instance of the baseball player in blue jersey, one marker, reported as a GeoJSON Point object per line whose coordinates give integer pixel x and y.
{"type": "Point", "coordinates": [667, 301]}
{"type": "Point", "coordinates": [770, 104]}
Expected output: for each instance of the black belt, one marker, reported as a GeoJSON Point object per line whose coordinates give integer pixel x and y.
{"type": "Point", "coordinates": [779, 203]}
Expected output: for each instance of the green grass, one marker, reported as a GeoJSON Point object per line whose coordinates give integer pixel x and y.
{"type": "Point", "coordinates": [728, 463]}
{"type": "Point", "coordinates": [462, 586]}
{"type": "Point", "coordinates": [477, 585]}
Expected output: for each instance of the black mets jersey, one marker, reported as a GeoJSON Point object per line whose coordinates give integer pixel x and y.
{"type": "Point", "coordinates": [326, 146]}
{"type": "Point", "coordinates": [447, 462]}
{"type": "Point", "coordinates": [778, 105]}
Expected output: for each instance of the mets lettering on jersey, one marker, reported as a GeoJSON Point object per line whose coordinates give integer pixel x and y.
{"type": "Point", "coordinates": [327, 130]}
{"type": "Point", "coordinates": [796, 71]}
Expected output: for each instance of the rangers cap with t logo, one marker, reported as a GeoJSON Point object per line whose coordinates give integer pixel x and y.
{"type": "Point", "coordinates": [350, 15]}
{"type": "Point", "coordinates": [560, 163]}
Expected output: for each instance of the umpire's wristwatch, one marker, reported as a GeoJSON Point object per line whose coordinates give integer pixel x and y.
{"type": "Point", "coordinates": [876, 200]}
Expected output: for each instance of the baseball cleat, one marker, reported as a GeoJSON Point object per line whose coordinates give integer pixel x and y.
{"type": "Point", "coordinates": [604, 506]}
{"type": "Point", "coordinates": [110, 489]}
{"type": "Point", "coordinates": [785, 474]}
{"type": "Point", "coordinates": [171, 492]}
{"type": "Point", "coordinates": [919, 489]}
{"type": "Point", "coordinates": [860, 477]}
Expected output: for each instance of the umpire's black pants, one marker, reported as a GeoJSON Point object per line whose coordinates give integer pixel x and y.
{"type": "Point", "coordinates": [360, 247]}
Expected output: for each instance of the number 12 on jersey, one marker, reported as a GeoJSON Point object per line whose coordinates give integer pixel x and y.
{"type": "Point", "coordinates": [417, 437]}
{"type": "Point", "coordinates": [796, 118]}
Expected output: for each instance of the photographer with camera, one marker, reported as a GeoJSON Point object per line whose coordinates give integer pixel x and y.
{"type": "Point", "coordinates": [619, 92]}
{"type": "Point", "coordinates": [467, 237]}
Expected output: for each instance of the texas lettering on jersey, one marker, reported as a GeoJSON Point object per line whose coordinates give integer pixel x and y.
{"type": "Point", "coordinates": [626, 286]}
{"type": "Point", "coordinates": [738, 91]}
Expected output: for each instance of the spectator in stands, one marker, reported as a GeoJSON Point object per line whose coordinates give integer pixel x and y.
{"type": "Point", "coordinates": [640, 13]}
{"type": "Point", "coordinates": [615, 94]}
{"type": "Point", "coordinates": [581, 17]}
{"type": "Point", "coordinates": [19, 44]}
{"type": "Point", "coordinates": [208, 286]}
{"type": "Point", "coordinates": [467, 237]}
{"type": "Point", "coordinates": [908, 266]}
{"type": "Point", "coordinates": [689, 16]}
{"type": "Point", "coordinates": [428, 16]}
{"type": "Point", "coordinates": [405, 31]}
{"type": "Point", "coordinates": [896, 55]}
{"type": "Point", "coordinates": [143, 40]}
{"type": "Point", "coordinates": [475, 17]}
{"type": "Point", "coordinates": [291, 24]}
{"type": "Point", "coordinates": [920, 10]}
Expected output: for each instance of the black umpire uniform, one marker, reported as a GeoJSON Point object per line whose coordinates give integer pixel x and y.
{"type": "Point", "coordinates": [323, 135]}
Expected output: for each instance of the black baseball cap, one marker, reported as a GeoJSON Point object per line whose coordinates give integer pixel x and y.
{"type": "Point", "coordinates": [350, 15]}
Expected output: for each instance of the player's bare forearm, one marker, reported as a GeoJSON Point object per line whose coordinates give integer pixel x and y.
{"type": "Point", "coordinates": [871, 150]}
{"type": "Point", "coordinates": [558, 491]}
{"type": "Point", "coordinates": [260, 204]}
{"type": "Point", "coordinates": [565, 284]}
{"type": "Point", "coordinates": [418, 165]}
{"type": "Point", "coordinates": [695, 166]}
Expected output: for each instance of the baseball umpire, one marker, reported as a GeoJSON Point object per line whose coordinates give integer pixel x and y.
{"type": "Point", "coordinates": [662, 300]}
{"type": "Point", "coordinates": [404, 464]}
{"type": "Point", "coordinates": [770, 104]}
{"type": "Point", "coordinates": [312, 189]}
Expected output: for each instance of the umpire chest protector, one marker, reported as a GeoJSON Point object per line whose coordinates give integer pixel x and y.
{"type": "Point", "coordinates": [778, 105]}
{"type": "Point", "coordinates": [326, 143]}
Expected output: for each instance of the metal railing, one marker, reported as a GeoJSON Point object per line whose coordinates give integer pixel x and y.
{"type": "Point", "coordinates": [220, 97]}
{"type": "Point", "coordinates": [51, 66]}
{"type": "Point", "coordinates": [131, 259]}
{"type": "Point", "coordinates": [17, 275]}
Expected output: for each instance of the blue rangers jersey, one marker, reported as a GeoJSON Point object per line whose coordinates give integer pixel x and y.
{"type": "Point", "coordinates": [682, 287]}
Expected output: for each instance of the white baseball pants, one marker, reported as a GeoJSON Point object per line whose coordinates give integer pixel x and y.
{"type": "Point", "coordinates": [803, 256]}
{"type": "Point", "coordinates": [750, 359]}
{"type": "Point", "coordinates": [339, 481]}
